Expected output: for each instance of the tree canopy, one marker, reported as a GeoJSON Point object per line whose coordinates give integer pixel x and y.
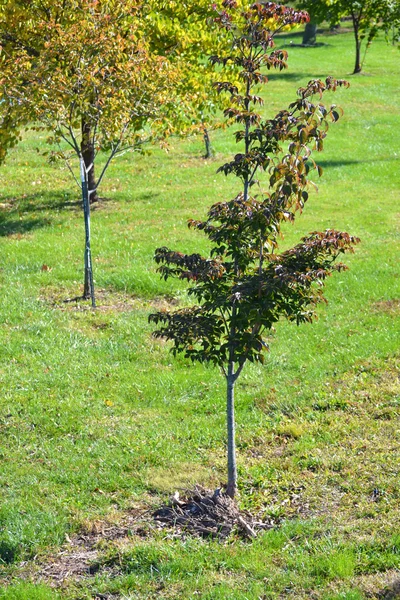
{"type": "Point", "coordinates": [54, 35]}
{"type": "Point", "coordinates": [82, 70]}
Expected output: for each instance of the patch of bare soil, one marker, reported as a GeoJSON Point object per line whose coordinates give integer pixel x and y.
{"type": "Point", "coordinates": [106, 300]}
{"type": "Point", "coordinates": [388, 306]}
{"type": "Point", "coordinates": [382, 586]}
{"type": "Point", "coordinates": [164, 303]}
{"type": "Point", "coordinates": [208, 514]}
{"type": "Point", "coordinates": [202, 513]}
{"type": "Point", "coordinates": [391, 592]}
{"type": "Point", "coordinates": [80, 556]}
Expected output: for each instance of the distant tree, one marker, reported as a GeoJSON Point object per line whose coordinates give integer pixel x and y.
{"type": "Point", "coordinates": [105, 77]}
{"type": "Point", "coordinates": [391, 22]}
{"type": "Point", "coordinates": [185, 32]}
{"type": "Point", "coordinates": [85, 74]}
{"type": "Point", "coordinates": [310, 34]}
{"type": "Point", "coordinates": [97, 51]}
{"type": "Point", "coordinates": [245, 286]}
{"type": "Point", "coordinates": [366, 16]}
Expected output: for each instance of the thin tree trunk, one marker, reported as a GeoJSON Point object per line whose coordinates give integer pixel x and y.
{"type": "Point", "coordinates": [209, 151]}
{"type": "Point", "coordinates": [310, 34]}
{"type": "Point", "coordinates": [230, 376]}
{"type": "Point", "coordinates": [357, 67]}
{"type": "Point", "coordinates": [87, 150]}
{"type": "Point", "coordinates": [230, 414]}
{"type": "Point", "coordinates": [88, 285]}
{"type": "Point", "coordinates": [247, 141]}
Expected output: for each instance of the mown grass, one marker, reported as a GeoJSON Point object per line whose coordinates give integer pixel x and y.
{"type": "Point", "coordinates": [97, 417]}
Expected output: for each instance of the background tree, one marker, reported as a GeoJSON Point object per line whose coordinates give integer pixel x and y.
{"type": "Point", "coordinates": [366, 16]}
{"type": "Point", "coordinates": [310, 34]}
{"type": "Point", "coordinates": [391, 22]}
{"type": "Point", "coordinates": [93, 84]}
{"type": "Point", "coordinates": [95, 73]}
{"type": "Point", "coordinates": [97, 52]}
{"type": "Point", "coordinates": [185, 32]}
{"type": "Point", "coordinates": [179, 30]}
{"type": "Point", "coordinates": [245, 286]}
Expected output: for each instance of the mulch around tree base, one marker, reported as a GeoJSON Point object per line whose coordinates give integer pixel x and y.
{"type": "Point", "coordinates": [208, 514]}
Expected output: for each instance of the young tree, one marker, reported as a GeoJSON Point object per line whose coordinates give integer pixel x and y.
{"type": "Point", "coordinates": [246, 286]}
{"type": "Point", "coordinates": [93, 84]}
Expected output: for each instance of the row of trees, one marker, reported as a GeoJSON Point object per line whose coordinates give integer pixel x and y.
{"type": "Point", "coordinates": [101, 75]}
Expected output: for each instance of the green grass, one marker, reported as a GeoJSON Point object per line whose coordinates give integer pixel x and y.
{"type": "Point", "coordinates": [97, 417]}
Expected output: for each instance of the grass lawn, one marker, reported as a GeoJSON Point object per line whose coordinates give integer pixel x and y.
{"type": "Point", "coordinates": [98, 421]}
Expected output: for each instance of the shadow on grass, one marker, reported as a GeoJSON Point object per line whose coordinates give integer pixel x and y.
{"type": "Point", "coordinates": [295, 77]}
{"type": "Point", "coordinates": [142, 197]}
{"type": "Point", "coordinates": [289, 76]}
{"type": "Point", "coordinates": [15, 217]}
{"type": "Point", "coordinates": [307, 46]}
{"type": "Point", "coordinates": [19, 226]}
{"type": "Point", "coordinates": [42, 202]}
{"type": "Point", "coordinates": [321, 31]}
{"type": "Point", "coordinates": [290, 35]}
{"type": "Point", "coordinates": [325, 164]}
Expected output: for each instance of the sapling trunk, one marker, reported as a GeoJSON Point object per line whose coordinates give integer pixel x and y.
{"type": "Point", "coordinates": [88, 285]}
{"type": "Point", "coordinates": [230, 419]}
{"type": "Point", "coordinates": [209, 150]}
{"type": "Point", "coordinates": [357, 66]}
{"type": "Point", "coordinates": [231, 376]}
{"type": "Point", "coordinates": [88, 154]}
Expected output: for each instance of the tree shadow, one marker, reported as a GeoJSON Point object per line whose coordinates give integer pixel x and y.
{"type": "Point", "coordinates": [321, 31]}
{"type": "Point", "coordinates": [289, 76]}
{"type": "Point", "coordinates": [18, 213]}
{"type": "Point", "coordinates": [42, 202]}
{"type": "Point", "coordinates": [144, 196]}
{"type": "Point", "coordinates": [294, 40]}
{"type": "Point", "coordinates": [343, 162]}
{"type": "Point", "coordinates": [307, 46]}
{"type": "Point", "coordinates": [17, 226]}
{"type": "Point", "coordinates": [290, 35]}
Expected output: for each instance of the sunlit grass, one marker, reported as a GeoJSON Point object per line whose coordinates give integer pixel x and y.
{"type": "Point", "coordinates": [96, 416]}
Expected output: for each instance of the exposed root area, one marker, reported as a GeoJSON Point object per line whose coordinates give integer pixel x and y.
{"type": "Point", "coordinates": [208, 514]}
